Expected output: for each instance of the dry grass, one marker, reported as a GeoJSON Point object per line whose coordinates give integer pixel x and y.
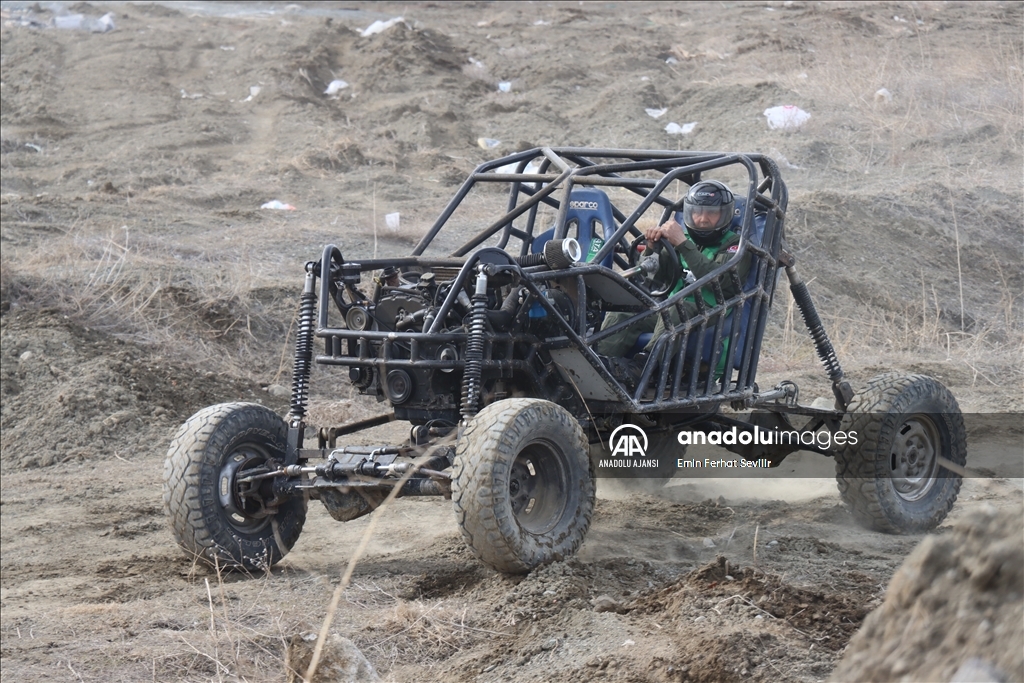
{"type": "Point", "coordinates": [984, 360]}
{"type": "Point", "coordinates": [195, 304]}
{"type": "Point", "coordinates": [420, 632]}
{"type": "Point", "coordinates": [217, 631]}
{"type": "Point", "coordinates": [936, 102]}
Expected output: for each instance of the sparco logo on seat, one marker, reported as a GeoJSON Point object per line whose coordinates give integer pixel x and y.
{"type": "Point", "coordinates": [591, 206]}
{"type": "Point", "coordinates": [629, 441]}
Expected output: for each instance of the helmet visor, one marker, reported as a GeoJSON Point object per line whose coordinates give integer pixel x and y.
{"type": "Point", "coordinates": [704, 218]}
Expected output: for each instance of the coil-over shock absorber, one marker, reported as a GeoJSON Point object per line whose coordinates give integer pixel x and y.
{"type": "Point", "coordinates": [840, 387]}
{"type": "Point", "coordinates": [304, 347]}
{"type": "Point", "coordinates": [471, 377]}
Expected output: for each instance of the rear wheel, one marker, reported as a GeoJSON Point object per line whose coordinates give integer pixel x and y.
{"type": "Point", "coordinates": [522, 488]}
{"type": "Point", "coordinates": [215, 514]}
{"type": "Point", "coordinates": [892, 479]}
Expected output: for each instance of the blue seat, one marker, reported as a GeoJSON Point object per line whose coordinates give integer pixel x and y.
{"type": "Point", "coordinates": [591, 212]}
{"type": "Point", "coordinates": [756, 237]}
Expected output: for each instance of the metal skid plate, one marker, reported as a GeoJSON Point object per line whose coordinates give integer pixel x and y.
{"type": "Point", "coordinates": [347, 456]}
{"type": "Point", "coordinates": [577, 371]}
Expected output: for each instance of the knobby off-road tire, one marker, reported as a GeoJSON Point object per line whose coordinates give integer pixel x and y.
{"type": "Point", "coordinates": [205, 458]}
{"type": "Point", "coordinates": [523, 488]}
{"type": "Point", "coordinates": [890, 479]}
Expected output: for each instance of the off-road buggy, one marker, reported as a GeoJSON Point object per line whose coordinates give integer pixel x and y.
{"type": "Point", "coordinates": [487, 351]}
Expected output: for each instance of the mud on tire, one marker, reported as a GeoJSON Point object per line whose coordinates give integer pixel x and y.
{"type": "Point", "coordinates": [206, 457]}
{"type": "Point", "coordinates": [890, 479]}
{"type": "Point", "coordinates": [523, 488]}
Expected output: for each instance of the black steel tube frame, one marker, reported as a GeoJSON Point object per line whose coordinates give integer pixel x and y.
{"type": "Point", "coordinates": [670, 350]}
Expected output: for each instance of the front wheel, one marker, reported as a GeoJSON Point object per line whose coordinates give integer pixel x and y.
{"type": "Point", "coordinates": [523, 488]}
{"type": "Point", "coordinates": [215, 513]}
{"type": "Point", "coordinates": [892, 479]}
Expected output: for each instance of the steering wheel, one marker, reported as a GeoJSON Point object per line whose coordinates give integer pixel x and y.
{"type": "Point", "coordinates": [675, 269]}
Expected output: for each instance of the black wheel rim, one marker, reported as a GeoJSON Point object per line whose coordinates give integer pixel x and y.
{"type": "Point", "coordinates": [538, 487]}
{"type": "Point", "coordinates": [240, 501]}
{"type": "Point", "coordinates": [913, 461]}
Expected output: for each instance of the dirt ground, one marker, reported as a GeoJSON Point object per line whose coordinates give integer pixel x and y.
{"type": "Point", "coordinates": [142, 282]}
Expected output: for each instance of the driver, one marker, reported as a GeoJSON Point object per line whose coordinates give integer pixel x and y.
{"type": "Point", "coordinates": [703, 242]}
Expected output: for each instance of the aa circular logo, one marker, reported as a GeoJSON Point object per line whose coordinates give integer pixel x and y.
{"type": "Point", "coordinates": [628, 441]}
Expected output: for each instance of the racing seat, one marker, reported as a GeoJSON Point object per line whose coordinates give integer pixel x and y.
{"type": "Point", "coordinates": [590, 211]}
{"type": "Point", "coordinates": [757, 235]}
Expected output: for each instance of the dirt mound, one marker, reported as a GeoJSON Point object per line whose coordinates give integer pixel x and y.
{"type": "Point", "coordinates": [732, 623]}
{"type": "Point", "coordinates": [75, 394]}
{"type": "Point", "coordinates": [953, 611]}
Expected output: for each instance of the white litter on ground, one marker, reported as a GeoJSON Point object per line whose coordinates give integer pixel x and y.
{"type": "Point", "coordinates": [379, 26]}
{"type": "Point", "coordinates": [276, 205]}
{"type": "Point", "coordinates": [786, 117]}
{"type": "Point", "coordinates": [674, 128]}
{"type": "Point", "coordinates": [335, 86]}
{"type": "Point", "coordinates": [532, 167]}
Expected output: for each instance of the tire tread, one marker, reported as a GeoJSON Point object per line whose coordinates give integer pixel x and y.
{"type": "Point", "coordinates": [191, 502]}
{"type": "Point", "coordinates": [862, 484]}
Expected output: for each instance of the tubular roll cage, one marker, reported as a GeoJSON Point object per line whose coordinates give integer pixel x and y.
{"type": "Point", "coordinates": [675, 378]}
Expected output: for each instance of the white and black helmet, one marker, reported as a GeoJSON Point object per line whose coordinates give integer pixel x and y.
{"type": "Point", "coordinates": [708, 194]}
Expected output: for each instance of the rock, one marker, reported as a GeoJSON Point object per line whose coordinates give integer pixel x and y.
{"type": "Point", "coordinates": [708, 543]}
{"type": "Point", "coordinates": [606, 603]}
{"type": "Point", "coordinates": [118, 417]}
{"type": "Point", "coordinates": [25, 356]}
{"type": "Point", "coordinates": [340, 662]}
{"type": "Point", "coordinates": [976, 670]}
{"type": "Point", "coordinates": [278, 391]}
{"type": "Point", "coordinates": [956, 599]}
{"type": "Point", "coordinates": [550, 644]}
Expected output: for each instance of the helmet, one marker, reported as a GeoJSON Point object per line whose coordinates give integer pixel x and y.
{"type": "Point", "coordinates": [708, 195]}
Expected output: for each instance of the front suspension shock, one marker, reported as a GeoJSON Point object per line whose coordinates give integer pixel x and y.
{"type": "Point", "coordinates": [840, 387]}
{"type": "Point", "coordinates": [303, 349]}
{"type": "Point", "coordinates": [475, 344]}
